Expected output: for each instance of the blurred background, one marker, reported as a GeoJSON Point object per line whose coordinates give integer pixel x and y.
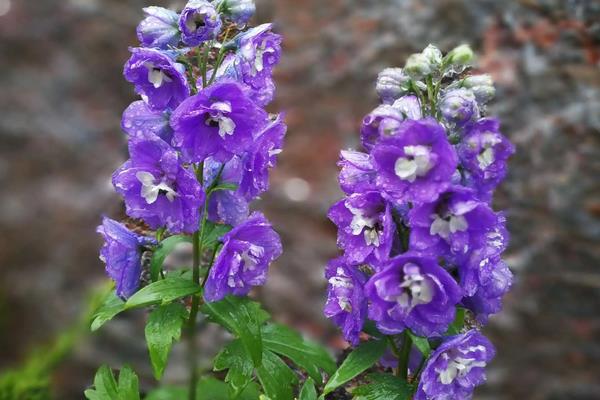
{"type": "Point", "coordinates": [62, 94]}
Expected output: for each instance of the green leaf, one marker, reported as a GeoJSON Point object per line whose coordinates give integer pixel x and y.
{"type": "Point", "coordinates": [238, 362]}
{"type": "Point", "coordinates": [225, 186]}
{"type": "Point", "coordinates": [276, 378]}
{"type": "Point", "coordinates": [213, 234]}
{"type": "Point", "coordinates": [162, 292]}
{"type": "Point", "coordinates": [309, 356]}
{"type": "Point", "coordinates": [383, 387]}
{"type": "Point", "coordinates": [112, 306]}
{"type": "Point", "coordinates": [162, 329]}
{"type": "Point", "coordinates": [210, 388]}
{"type": "Point", "coordinates": [371, 329]}
{"type": "Point", "coordinates": [420, 343]}
{"type": "Point", "coordinates": [161, 252]}
{"type": "Point", "coordinates": [243, 318]}
{"type": "Point", "coordinates": [361, 358]}
{"type": "Point", "coordinates": [308, 391]}
{"type": "Point", "coordinates": [106, 387]}
{"type": "Point", "coordinates": [459, 322]}
{"type": "Point", "coordinates": [128, 385]}
{"type": "Point", "coordinates": [168, 393]}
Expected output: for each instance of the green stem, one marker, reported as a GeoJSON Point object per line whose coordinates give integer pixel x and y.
{"type": "Point", "coordinates": [191, 327]}
{"type": "Point", "coordinates": [404, 355]}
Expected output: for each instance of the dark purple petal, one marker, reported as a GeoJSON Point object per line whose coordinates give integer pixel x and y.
{"type": "Point", "coordinates": [242, 263]}
{"type": "Point", "coordinates": [121, 252]}
{"type": "Point", "coordinates": [159, 28]}
{"type": "Point", "coordinates": [142, 122]}
{"type": "Point", "coordinates": [411, 291]}
{"type": "Point", "coordinates": [455, 368]}
{"type": "Point", "coordinates": [157, 78]}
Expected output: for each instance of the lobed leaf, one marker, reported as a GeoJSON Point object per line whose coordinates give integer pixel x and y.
{"type": "Point", "coordinates": [383, 387]}
{"type": "Point", "coordinates": [107, 388]}
{"type": "Point", "coordinates": [243, 318]}
{"type": "Point", "coordinates": [162, 329]}
{"type": "Point", "coordinates": [276, 378]}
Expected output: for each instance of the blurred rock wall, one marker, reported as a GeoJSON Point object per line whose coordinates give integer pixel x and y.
{"type": "Point", "coordinates": [61, 96]}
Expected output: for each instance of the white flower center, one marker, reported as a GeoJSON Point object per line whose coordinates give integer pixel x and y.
{"type": "Point", "coordinates": [217, 114]}
{"type": "Point", "coordinates": [444, 226]}
{"type": "Point", "coordinates": [365, 225]}
{"type": "Point", "coordinates": [156, 76]}
{"type": "Point", "coordinates": [486, 157]}
{"type": "Point", "coordinates": [416, 289]}
{"type": "Point", "coordinates": [343, 282]}
{"type": "Point", "coordinates": [460, 366]}
{"type": "Point", "coordinates": [417, 163]}
{"type": "Point", "coordinates": [150, 190]}
{"type": "Point", "coordinates": [247, 260]}
{"type": "Point", "coordinates": [261, 50]}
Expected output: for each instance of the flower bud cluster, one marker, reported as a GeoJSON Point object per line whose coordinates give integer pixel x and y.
{"type": "Point", "coordinates": [419, 236]}
{"type": "Point", "coordinates": [200, 142]}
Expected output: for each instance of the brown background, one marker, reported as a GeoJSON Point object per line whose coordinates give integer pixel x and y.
{"type": "Point", "coordinates": [62, 93]}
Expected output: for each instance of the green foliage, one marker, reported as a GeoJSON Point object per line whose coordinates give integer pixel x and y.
{"type": "Point", "coordinates": [459, 322]}
{"type": "Point", "coordinates": [213, 234]}
{"type": "Point", "coordinates": [308, 391]}
{"type": "Point", "coordinates": [273, 340]}
{"type": "Point", "coordinates": [163, 292]}
{"type": "Point", "coordinates": [420, 343]}
{"type": "Point", "coordinates": [243, 318]}
{"type": "Point", "coordinates": [162, 251]}
{"type": "Point", "coordinates": [111, 306]}
{"type": "Point", "coordinates": [31, 381]}
{"type": "Point", "coordinates": [284, 341]}
{"type": "Point", "coordinates": [276, 378]}
{"type": "Point", "coordinates": [107, 388]}
{"type": "Point", "coordinates": [162, 329]}
{"type": "Point", "coordinates": [361, 358]}
{"type": "Point", "coordinates": [383, 387]}
{"type": "Point", "coordinates": [239, 365]}
{"type": "Point", "coordinates": [209, 388]}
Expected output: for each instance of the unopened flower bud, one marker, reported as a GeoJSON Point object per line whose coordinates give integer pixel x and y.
{"type": "Point", "coordinates": [391, 84]}
{"type": "Point", "coordinates": [239, 11]}
{"type": "Point", "coordinates": [159, 28]}
{"type": "Point", "coordinates": [461, 55]}
{"type": "Point", "coordinates": [459, 106]}
{"type": "Point", "coordinates": [417, 66]}
{"type": "Point", "coordinates": [482, 87]}
{"type": "Point", "coordinates": [433, 55]}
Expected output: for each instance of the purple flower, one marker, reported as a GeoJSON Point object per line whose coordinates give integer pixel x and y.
{"type": "Point", "coordinates": [415, 164]}
{"type": "Point", "coordinates": [219, 121]}
{"type": "Point", "coordinates": [455, 225]}
{"type": "Point", "coordinates": [122, 252]}
{"type": "Point", "coordinates": [239, 11]}
{"type": "Point", "coordinates": [459, 106]}
{"type": "Point", "coordinates": [261, 91]}
{"type": "Point", "coordinates": [494, 281]}
{"type": "Point", "coordinates": [391, 84]}
{"type": "Point", "coordinates": [259, 50]}
{"type": "Point", "coordinates": [263, 156]}
{"type": "Point", "coordinates": [199, 22]}
{"type": "Point", "coordinates": [414, 292]}
{"type": "Point", "coordinates": [141, 122]}
{"type": "Point", "coordinates": [242, 263]}
{"type": "Point", "coordinates": [483, 153]}
{"type": "Point", "coordinates": [365, 226]}
{"type": "Point", "coordinates": [159, 28]}
{"type": "Point", "coordinates": [357, 173]}
{"type": "Point", "coordinates": [383, 121]}
{"type": "Point", "coordinates": [225, 206]}
{"type": "Point", "coordinates": [455, 368]}
{"type": "Point", "coordinates": [346, 303]}
{"type": "Point", "coordinates": [156, 187]}
{"type": "Point", "coordinates": [160, 81]}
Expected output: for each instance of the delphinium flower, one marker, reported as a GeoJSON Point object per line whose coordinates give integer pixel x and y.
{"type": "Point", "coordinates": [122, 252]}
{"type": "Point", "coordinates": [200, 144]}
{"type": "Point", "coordinates": [421, 242]}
